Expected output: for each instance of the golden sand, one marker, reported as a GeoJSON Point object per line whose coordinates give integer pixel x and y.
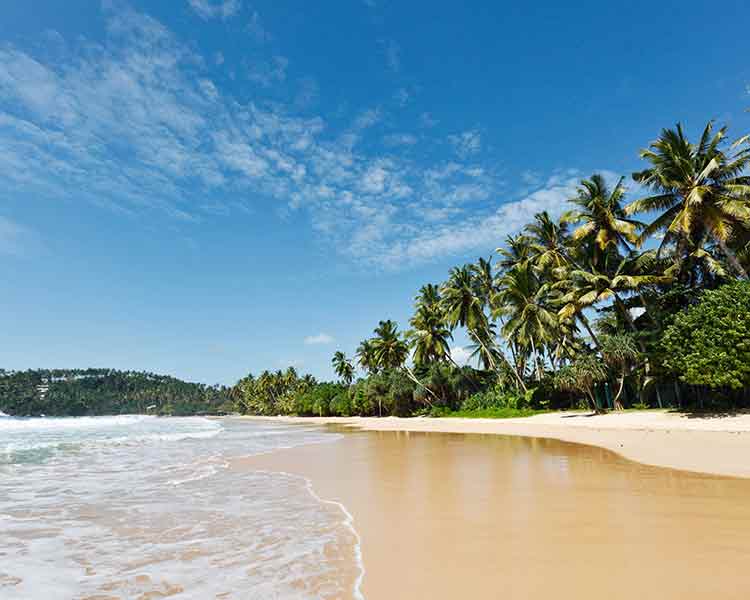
{"type": "Point", "coordinates": [489, 516]}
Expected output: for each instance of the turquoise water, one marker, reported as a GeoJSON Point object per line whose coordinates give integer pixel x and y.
{"type": "Point", "coordinates": [124, 506]}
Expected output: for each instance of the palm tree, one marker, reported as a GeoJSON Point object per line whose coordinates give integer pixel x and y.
{"type": "Point", "coordinates": [484, 279]}
{"type": "Point", "coordinates": [701, 192]}
{"type": "Point", "coordinates": [464, 307]}
{"type": "Point", "coordinates": [619, 352]}
{"type": "Point", "coordinates": [603, 223]}
{"type": "Point", "coordinates": [462, 302]}
{"type": "Point", "coordinates": [582, 375]}
{"type": "Point", "coordinates": [429, 335]}
{"type": "Point", "coordinates": [366, 357]}
{"type": "Point", "coordinates": [531, 323]}
{"type": "Point", "coordinates": [517, 249]}
{"type": "Point", "coordinates": [343, 367]}
{"type": "Point", "coordinates": [389, 349]}
{"type": "Point", "coordinates": [548, 243]}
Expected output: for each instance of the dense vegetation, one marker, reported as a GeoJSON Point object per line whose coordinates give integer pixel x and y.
{"type": "Point", "coordinates": [617, 303]}
{"type": "Point", "coordinates": [77, 392]}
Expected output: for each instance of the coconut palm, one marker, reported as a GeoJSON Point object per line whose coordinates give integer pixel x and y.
{"type": "Point", "coordinates": [343, 367]}
{"type": "Point", "coordinates": [701, 194]}
{"type": "Point", "coordinates": [484, 279]}
{"type": "Point", "coordinates": [601, 218]}
{"type": "Point", "coordinates": [389, 349]}
{"type": "Point", "coordinates": [461, 300]}
{"type": "Point", "coordinates": [366, 357]}
{"type": "Point", "coordinates": [429, 335]}
{"type": "Point", "coordinates": [517, 249]}
{"type": "Point", "coordinates": [548, 241]}
{"type": "Point", "coordinates": [530, 322]}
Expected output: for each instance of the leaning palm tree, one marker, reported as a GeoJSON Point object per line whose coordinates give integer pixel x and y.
{"type": "Point", "coordinates": [343, 367]}
{"type": "Point", "coordinates": [701, 192]}
{"type": "Point", "coordinates": [389, 349]}
{"type": "Point", "coordinates": [463, 306]}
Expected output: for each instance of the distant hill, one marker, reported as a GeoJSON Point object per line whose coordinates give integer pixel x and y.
{"type": "Point", "coordinates": [79, 392]}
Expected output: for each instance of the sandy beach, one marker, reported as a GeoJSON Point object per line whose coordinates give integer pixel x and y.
{"type": "Point", "coordinates": [445, 508]}
{"type": "Point", "coordinates": [718, 445]}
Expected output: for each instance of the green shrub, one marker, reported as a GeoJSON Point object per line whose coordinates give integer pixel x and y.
{"type": "Point", "coordinates": [709, 343]}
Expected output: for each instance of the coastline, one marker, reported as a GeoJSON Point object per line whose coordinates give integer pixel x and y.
{"type": "Point", "coordinates": [467, 513]}
{"type": "Point", "coordinates": [710, 445]}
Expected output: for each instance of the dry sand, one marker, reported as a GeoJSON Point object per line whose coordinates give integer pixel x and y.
{"type": "Point", "coordinates": [448, 516]}
{"type": "Point", "coordinates": [715, 445]}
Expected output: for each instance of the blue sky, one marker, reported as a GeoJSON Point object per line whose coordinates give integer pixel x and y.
{"type": "Point", "coordinates": [208, 187]}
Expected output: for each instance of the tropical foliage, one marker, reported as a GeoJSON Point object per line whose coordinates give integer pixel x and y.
{"type": "Point", "coordinates": [77, 392]}
{"type": "Point", "coordinates": [618, 301]}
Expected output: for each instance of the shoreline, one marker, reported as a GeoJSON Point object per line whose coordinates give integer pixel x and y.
{"type": "Point", "coordinates": [464, 514]}
{"type": "Point", "coordinates": [708, 445]}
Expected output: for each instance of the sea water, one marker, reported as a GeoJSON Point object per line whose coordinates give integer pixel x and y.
{"type": "Point", "coordinates": [143, 507]}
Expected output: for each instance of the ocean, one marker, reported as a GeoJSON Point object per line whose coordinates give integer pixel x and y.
{"type": "Point", "coordinates": [144, 507]}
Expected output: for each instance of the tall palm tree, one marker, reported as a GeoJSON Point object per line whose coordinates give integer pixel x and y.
{"type": "Point", "coordinates": [461, 300]}
{"type": "Point", "coordinates": [601, 218]}
{"type": "Point", "coordinates": [701, 192]}
{"type": "Point", "coordinates": [366, 356]}
{"type": "Point", "coordinates": [484, 279]}
{"type": "Point", "coordinates": [517, 249]}
{"type": "Point", "coordinates": [343, 367]}
{"type": "Point", "coordinates": [389, 349]}
{"type": "Point", "coordinates": [464, 307]}
{"type": "Point", "coordinates": [548, 241]}
{"type": "Point", "coordinates": [429, 335]}
{"type": "Point", "coordinates": [531, 324]}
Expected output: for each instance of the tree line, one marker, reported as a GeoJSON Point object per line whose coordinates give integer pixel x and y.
{"type": "Point", "coordinates": [617, 303]}
{"type": "Point", "coordinates": [80, 392]}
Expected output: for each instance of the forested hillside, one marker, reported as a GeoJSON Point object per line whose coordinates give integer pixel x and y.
{"type": "Point", "coordinates": [77, 392]}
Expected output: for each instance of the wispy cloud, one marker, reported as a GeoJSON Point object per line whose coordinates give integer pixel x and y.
{"type": "Point", "coordinates": [466, 143]}
{"type": "Point", "coordinates": [320, 339]}
{"type": "Point", "coordinates": [206, 9]}
{"type": "Point", "coordinates": [142, 93]}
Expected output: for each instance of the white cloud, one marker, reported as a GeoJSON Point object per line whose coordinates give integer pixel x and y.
{"type": "Point", "coordinates": [466, 143]}
{"type": "Point", "coordinates": [65, 126]}
{"type": "Point", "coordinates": [206, 9]}
{"type": "Point", "coordinates": [321, 338]}
{"type": "Point", "coordinates": [460, 355]}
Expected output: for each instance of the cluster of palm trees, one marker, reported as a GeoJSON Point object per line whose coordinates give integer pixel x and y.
{"type": "Point", "coordinates": [580, 298]}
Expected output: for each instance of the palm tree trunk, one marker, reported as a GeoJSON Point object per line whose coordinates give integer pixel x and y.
{"type": "Point", "coordinates": [494, 366]}
{"type": "Point", "coordinates": [413, 377]}
{"type": "Point", "coordinates": [732, 258]}
{"type": "Point", "coordinates": [617, 403]}
{"type": "Point", "coordinates": [587, 325]}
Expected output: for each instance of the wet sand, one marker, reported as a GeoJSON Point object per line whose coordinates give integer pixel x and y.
{"type": "Point", "coordinates": [491, 516]}
{"type": "Point", "coordinates": [718, 445]}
